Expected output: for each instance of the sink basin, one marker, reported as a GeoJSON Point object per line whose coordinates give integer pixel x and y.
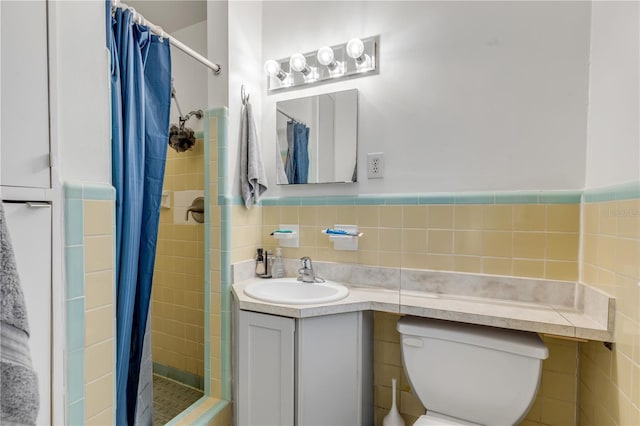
{"type": "Point", "coordinates": [293, 292]}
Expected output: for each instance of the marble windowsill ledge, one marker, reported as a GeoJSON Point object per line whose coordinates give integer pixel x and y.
{"type": "Point", "coordinates": [561, 308]}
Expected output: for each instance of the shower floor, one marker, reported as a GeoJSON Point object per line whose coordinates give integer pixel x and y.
{"type": "Point", "coordinates": [170, 398]}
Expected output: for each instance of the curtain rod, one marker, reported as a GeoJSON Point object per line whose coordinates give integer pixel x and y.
{"type": "Point", "coordinates": [289, 117]}
{"type": "Point", "coordinates": [137, 17]}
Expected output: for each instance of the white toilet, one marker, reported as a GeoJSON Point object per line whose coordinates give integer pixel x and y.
{"type": "Point", "coordinates": [467, 374]}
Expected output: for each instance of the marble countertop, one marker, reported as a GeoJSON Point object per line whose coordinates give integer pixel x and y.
{"type": "Point", "coordinates": [559, 308]}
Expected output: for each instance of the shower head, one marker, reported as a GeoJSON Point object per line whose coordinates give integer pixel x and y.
{"type": "Point", "coordinates": [181, 138]}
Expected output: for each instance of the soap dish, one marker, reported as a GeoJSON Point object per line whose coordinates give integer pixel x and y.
{"type": "Point", "coordinates": [287, 235]}
{"type": "Point", "coordinates": [347, 241]}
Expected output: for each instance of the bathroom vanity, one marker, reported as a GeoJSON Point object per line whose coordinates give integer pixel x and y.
{"type": "Point", "coordinates": [295, 363]}
{"type": "Point", "coordinates": [306, 371]}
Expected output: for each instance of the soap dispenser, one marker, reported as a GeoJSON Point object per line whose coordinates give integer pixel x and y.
{"type": "Point", "coordinates": [277, 269]}
{"type": "Point", "coordinates": [260, 264]}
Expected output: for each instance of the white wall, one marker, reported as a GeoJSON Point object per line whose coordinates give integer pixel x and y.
{"type": "Point", "coordinates": [613, 137]}
{"type": "Point", "coordinates": [81, 101]}
{"type": "Point", "coordinates": [189, 75]}
{"type": "Point", "coordinates": [470, 95]}
{"type": "Point", "coordinates": [218, 51]}
{"type": "Point", "coordinates": [245, 67]}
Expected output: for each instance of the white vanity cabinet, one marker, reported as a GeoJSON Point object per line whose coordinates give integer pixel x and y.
{"type": "Point", "coordinates": [307, 371]}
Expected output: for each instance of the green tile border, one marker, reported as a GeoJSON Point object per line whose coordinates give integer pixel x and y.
{"type": "Point", "coordinates": [560, 197]}
{"type": "Point", "coordinates": [207, 266]}
{"type": "Point", "coordinates": [225, 202]}
{"type": "Point", "coordinates": [225, 260]}
{"type": "Point", "coordinates": [178, 375]}
{"type": "Point", "coordinates": [507, 197]}
{"type": "Point", "coordinates": [75, 193]}
{"type": "Point", "coordinates": [177, 420]}
{"type": "Point", "coordinates": [475, 198]}
{"type": "Point", "coordinates": [620, 192]}
{"type": "Point", "coordinates": [211, 413]}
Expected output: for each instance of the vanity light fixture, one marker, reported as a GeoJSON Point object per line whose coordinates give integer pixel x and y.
{"type": "Point", "coordinates": [298, 63]}
{"type": "Point", "coordinates": [272, 67]}
{"type": "Point", "coordinates": [326, 57]}
{"type": "Point", "coordinates": [328, 63]}
{"type": "Point", "coordinates": [355, 50]}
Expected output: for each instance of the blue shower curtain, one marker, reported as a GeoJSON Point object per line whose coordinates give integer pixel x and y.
{"type": "Point", "coordinates": [297, 162]}
{"type": "Point", "coordinates": [140, 95]}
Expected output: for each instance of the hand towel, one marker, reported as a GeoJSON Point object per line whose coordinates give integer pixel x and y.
{"type": "Point", "coordinates": [19, 399]}
{"type": "Point", "coordinates": [253, 179]}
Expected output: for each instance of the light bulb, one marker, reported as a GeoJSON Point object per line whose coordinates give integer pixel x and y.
{"type": "Point", "coordinates": [355, 48]}
{"type": "Point", "coordinates": [325, 55]}
{"type": "Point", "coordinates": [271, 67]}
{"type": "Point", "coordinates": [298, 63]}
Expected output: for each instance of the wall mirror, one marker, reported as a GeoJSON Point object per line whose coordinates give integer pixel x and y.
{"type": "Point", "coordinates": [317, 138]}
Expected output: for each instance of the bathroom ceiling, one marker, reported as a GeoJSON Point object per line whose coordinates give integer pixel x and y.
{"type": "Point", "coordinates": [171, 15]}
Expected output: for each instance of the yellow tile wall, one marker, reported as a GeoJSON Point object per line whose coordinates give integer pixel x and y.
{"type": "Point", "coordinates": [528, 240]}
{"type": "Point", "coordinates": [610, 380]}
{"type": "Point", "coordinates": [99, 350]}
{"type": "Point", "coordinates": [177, 310]}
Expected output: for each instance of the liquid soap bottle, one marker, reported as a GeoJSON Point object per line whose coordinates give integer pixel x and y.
{"type": "Point", "coordinates": [277, 269]}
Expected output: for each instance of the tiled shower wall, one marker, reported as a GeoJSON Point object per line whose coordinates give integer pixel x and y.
{"type": "Point", "coordinates": [528, 235]}
{"type": "Point", "coordinates": [90, 304]}
{"type": "Point", "coordinates": [177, 309]}
{"type": "Point", "coordinates": [213, 408]}
{"type": "Point", "coordinates": [610, 380]}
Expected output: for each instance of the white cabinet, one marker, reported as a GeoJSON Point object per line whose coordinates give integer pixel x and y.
{"type": "Point", "coordinates": [265, 374]}
{"type": "Point", "coordinates": [30, 231]}
{"type": "Point", "coordinates": [24, 93]}
{"type": "Point", "coordinates": [309, 371]}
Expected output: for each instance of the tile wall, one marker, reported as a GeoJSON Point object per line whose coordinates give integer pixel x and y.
{"type": "Point", "coordinates": [90, 307]}
{"type": "Point", "coordinates": [214, 407]}
{"type": "Point", "coordinates": [610, 380]}
{"type": "Point", "coordinates": [529, 240]}
{"type": "Point", "coordinates": [177, 310]}
{"type": "Point", "coordinates": [528, 234]}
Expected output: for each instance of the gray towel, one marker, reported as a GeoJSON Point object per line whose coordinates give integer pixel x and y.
{"type": "Point", "coordinates": [19, 398]}
{"type": "Point", "coordinates": [253, 179]}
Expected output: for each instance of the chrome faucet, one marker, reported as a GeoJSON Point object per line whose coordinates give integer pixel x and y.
{"type": "Point", "coordinates": [307, 275]}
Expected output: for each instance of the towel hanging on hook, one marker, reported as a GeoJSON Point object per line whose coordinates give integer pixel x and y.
{"type": "Point", "coordinates": [244, 95]}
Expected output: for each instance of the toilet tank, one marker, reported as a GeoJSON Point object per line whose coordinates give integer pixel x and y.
{"type": "Point", "coordinates": [476, 373]}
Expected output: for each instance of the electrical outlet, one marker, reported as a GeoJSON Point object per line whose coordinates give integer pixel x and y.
{"type": "Point", "coordinates": [375, 165]}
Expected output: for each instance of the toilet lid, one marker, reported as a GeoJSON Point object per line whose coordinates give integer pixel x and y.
{"type": "Point", "coordinates": [436, 419]}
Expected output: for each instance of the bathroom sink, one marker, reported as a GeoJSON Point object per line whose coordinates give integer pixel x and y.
{"type": "Point", "coordinates": [293, 292]}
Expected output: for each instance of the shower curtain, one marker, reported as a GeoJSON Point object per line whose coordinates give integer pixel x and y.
{"type": "Point", "coordinates": [297, 162]}
{"type": "Point", "coordinates": [140, 96]}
